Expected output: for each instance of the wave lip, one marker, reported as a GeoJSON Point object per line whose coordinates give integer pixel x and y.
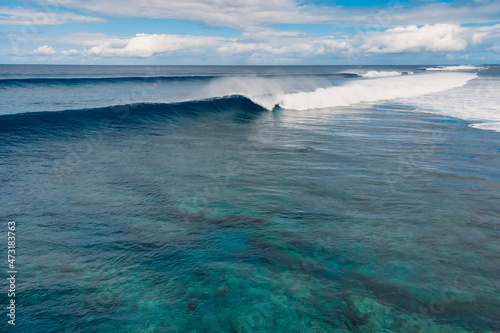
{"type": "Point", "coordinates": [375, 90]}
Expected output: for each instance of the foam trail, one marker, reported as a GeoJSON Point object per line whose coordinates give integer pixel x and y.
{"type": "Point", "coordinates": [375, 90]}
{"type": "Point", "coordinates": [477, 102]}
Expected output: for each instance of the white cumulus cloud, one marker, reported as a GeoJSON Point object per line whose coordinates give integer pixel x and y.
{"type": "Point", "coordinates": [260, 43]}
{"type": "Point", "coordinates": [299, 47]}
{"type": "Point", "coordinates": [44, 50]}
{"type": "Point", "coordinates": [434, 38]}
{"type": "Point", "coordinates": [266, 43]}
{"type": "Point", "coordinates": [70, 52]}
{"type": "Point", "coordinates": [145, 45]}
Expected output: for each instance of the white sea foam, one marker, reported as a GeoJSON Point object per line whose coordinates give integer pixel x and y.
{"type": "Point", "coordinates": [455, 68]}
{"type": "Point", "coordinates": [375, 90]}
{"type": "Point", "coordinates": [476, 102]}
{"type": "Point", "coordinates": [372, 74]}
{"type": "Point", "coordinates": [487, 126]}
{"type": "Point", "coordinates": [375, 74]}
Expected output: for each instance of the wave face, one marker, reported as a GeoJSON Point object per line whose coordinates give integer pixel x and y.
{"type": "Point", "coordinates": [130, 115]}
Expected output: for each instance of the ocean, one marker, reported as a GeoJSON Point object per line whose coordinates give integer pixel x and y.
{"type": "Point", "coordinates": [252, 199]}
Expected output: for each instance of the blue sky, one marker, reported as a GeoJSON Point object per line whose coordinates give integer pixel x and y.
{"type": "Point", "coordinates": [253, 32]}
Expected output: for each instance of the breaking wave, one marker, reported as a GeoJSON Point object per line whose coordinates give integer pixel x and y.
{"type": "Point", "coordinates": [374, 90]}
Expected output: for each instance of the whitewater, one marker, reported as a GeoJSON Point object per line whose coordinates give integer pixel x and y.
{"type": "Point", "coordinates": [374, 90]}
{"type": "Point", "coordinates": [437, 91]}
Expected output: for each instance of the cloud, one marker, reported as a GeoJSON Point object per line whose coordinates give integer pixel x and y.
{"type": "Point", "coordinates": [44, 50]}
{"type": "Point", "coordinates": [396, 27]}
{"type": "Point", "coordinates": [144, 45]}
{"type": "Point", "coordinates": [239, 14]}
{"type": "Point", "coordinates": [245, 14]}
{"type": "Point", "coordinates": [37, 17]}
{"type": "Point", "coordinates": [267, 45]}
{"type": "Point", "coordinates": [70, 52]}
{"type": "Point", "coordinates": [293, 45]}
{"type": "Point", "coordinates": [434, 38]}
{"type": "Point", "coordinates": [455, 12]}
{"type": "Point", "coordinates": [262, 43]}
{"type": "Point", "coordinates": [90, 39]}
{"type": "Point", "coordinates": [482, 34]}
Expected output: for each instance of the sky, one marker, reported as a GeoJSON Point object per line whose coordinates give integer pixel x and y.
{"type": "Point", "coordinates": [249, 32]}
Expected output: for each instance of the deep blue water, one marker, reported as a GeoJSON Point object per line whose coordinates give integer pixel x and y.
{"type": "Point", "coordinates": [170, 199]}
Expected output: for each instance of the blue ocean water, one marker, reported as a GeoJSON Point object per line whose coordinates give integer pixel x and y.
{"type": "Point", "coordinates": [252, 199]}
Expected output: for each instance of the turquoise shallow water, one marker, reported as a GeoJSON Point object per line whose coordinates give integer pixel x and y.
{"type": "Point", "coordinates": [220, 216]}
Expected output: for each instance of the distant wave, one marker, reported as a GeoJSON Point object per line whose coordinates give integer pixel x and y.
{"type": "Point", "coordinates": [375, 90]}
{"type": "Point", "coordinates": [85, 80]}
{"type": "Point", "coordinates": [455, 68]}
{"type": "Point", "coordinates": [376, 74]}
{"type": "Point", "coordinates": [118, 79]}
{"type": "Point", "coordinates": [371, 74]}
